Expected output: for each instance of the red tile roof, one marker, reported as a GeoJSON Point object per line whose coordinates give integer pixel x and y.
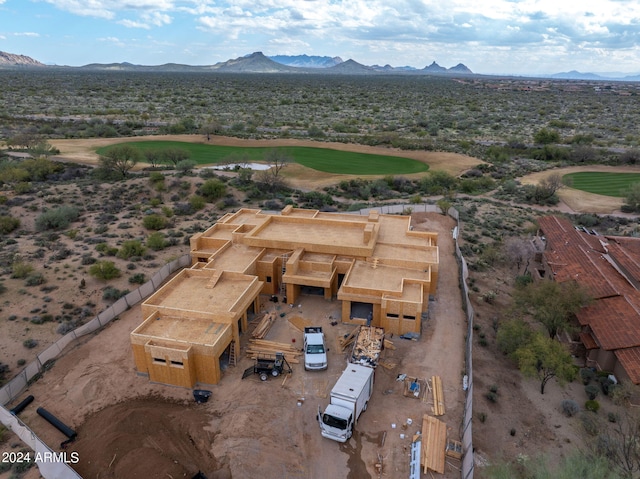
{"type": "Point", "coordinates": [609, 267]}
{"type": "Point", "coordinates": [629, 359]}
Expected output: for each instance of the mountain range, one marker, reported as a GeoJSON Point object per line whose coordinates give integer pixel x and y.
{"type": "Point", "coordinates": [257, 62]}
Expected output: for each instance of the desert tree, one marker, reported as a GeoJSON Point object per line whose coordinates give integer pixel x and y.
{"type": "Point", "coordinates": [620, 444]}
{"type": "Point", "coordinates": [552, 303]}
{"type": "Point", "coordinates": [152, 156]}
{"type": "Point", "coordinates": [212, 127]}
{"type": "Point", "coordinates": [549, 185]}
{"type": "Point", "coordinates": [512, 335]}
{"type": "Point", "coordinates": [630, 157]}
{"type": "Point", "coordinates": [277, 159]}
{"type": "Point", "coordinates": [174, 156]}
{"type": "Point", "coordinates": [120, 159]}
{"type": "Point", "coordinates": [632, 198]}
{"type": "Point", "coordinates": [518, 251]}
{"type": "Point", "coordinates": [544, 358]}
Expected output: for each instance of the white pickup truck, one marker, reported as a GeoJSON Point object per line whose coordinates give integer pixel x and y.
{"type": "Point", "coordinates": [315, 351]}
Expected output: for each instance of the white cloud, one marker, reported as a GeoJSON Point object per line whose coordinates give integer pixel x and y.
{"type": "Point", "coordinates": [26, 34]}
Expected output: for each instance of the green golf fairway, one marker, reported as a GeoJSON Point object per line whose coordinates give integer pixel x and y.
{"type": "Point", "coordinates": [321, 159]}
{"type": "Point", "coordinates": [608, 184]}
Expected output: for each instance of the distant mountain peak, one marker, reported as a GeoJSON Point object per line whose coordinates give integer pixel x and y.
{"type": "Point", "coordinates": [306, 61]}
{"type": "Point", "coordinates": [10, 59]}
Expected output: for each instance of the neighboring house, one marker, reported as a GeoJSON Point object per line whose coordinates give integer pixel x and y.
{"type": "Point", "coordinates": [609, 267]}
{"type": "Point", "coordinates": [381, 270]}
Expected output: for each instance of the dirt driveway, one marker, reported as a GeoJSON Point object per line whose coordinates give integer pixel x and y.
{"type": "Point", "coordinates": [128, 427]}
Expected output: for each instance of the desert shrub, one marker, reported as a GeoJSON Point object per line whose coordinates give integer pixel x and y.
{"type": "Point", "coordinates": [482, 416]}
{"type": "Point", "coordinates": [106, 250]}
{"type": "Point", "coordinates": [156, 241]}
{"type": "Point", "coordinates": [20, 269]}
{"type": "Point", "coordinates": [606, 385]}
{"type": "Point", "coordinates": [138, 278]}
{"type": "Point", "coordinates": [185, 166]}
{"type": "Point", "coordinates": [590, 424]}
{"type": "Point", "coordinates": [587, 374]}
{"type": "Point", "coordinates": [131, 248]}
{"type": "Point", "coordinates": [57, 218]}
{"type": "Point", "coordinates": [492, 397]}
{"type": "Point", "coordinates": [212, 189]}
{"type": "Point", "coordinates": [113, 294]}
{"type": "Point", "coordinates": [592, 391]}
{"type": "Point", "coordinates": [66, 327]}
{"type": "Point", "coordinates": [155, 222]}
{"type": "Point", "coordinates": [30, 343]}
{"type": "Point", "coordinates": [104, 270]}
{"type": "Point", "coordinates": [613, 417]}
{"type": "Point", "coordinates": [592, 405]}
{"type": "Point", "coordinates": [570, 407]}
{"type": "Point", "coordinates": [35, 279]}
{"type": "Point", "coordinates": [197, 202]}
{"type": "Point", "coordinates": [8, 224]}
{"type": "Point", "coordinates": [87, 259]}
{"type": "Point", "coordinates": [155, 177]}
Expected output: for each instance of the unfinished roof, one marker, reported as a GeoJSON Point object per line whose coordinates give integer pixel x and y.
{"type": "Point", "coordinates": [179, 329]}
{"type": "Point", "coordinates": [317, 235]}
{"type": "Point", "coordinates": [369, 276]}
{"type": "Point", "coordinates": [235, 257]}
{"type": "Point", "coordinates": [212, 291]}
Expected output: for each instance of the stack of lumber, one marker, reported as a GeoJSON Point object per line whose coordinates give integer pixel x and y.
{"type": "Point", "coordinates": [264, 326]}
{"type": "Point", "coordinates": [262, 347]}
{"type": "Point", "coordinates": [438, 396]}
{"type": "Point", "coordinates": [349, 338]}
{"type": "Point", "coordinates": [434, 439]}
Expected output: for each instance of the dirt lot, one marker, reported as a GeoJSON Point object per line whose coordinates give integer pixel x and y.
{"type": "Point", "coordinates": [250, 428]}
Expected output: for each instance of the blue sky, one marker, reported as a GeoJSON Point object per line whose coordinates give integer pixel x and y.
{"type": "Point", "coordinates": [489, 36]}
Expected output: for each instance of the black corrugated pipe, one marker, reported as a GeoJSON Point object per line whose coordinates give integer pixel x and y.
{"type": "Point", "coordinates": [23, 404]}
{"type": "Point", "coordinates": [62, 427]}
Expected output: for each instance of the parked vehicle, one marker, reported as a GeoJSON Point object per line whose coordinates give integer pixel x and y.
{"type": "Point", "coordinates": [315, 351]}
{"type": "Point", "coordinates": [349, 398]}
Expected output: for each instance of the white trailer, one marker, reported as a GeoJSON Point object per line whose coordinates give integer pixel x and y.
{"type": "Point", "coordinates": [349, 398]}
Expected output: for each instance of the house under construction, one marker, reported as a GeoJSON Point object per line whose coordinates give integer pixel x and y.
{"type": "Point", "coordinates": [381, 270]}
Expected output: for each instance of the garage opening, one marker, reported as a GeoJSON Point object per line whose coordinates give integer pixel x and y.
{"type": "Point", "coordinates": [361, 310]}
{"type": "Point", "coordinates": [312, 291]}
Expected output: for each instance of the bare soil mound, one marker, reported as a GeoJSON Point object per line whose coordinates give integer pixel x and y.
{"type": "Point", "coordinates": [146, 437]}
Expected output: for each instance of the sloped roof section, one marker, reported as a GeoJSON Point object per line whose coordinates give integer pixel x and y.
{"type": "Point", "coordinates": [630, 360]}
{"type": "Point", "coordinates": [615, 322]}
{"type": "Point", "coordinates": [609, 266]}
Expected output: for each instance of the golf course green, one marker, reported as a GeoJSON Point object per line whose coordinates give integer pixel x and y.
{"type": "Point", "coordinates": [322, 159]}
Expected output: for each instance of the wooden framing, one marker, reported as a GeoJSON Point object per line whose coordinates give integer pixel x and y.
{"type": "Point", "coordinates": [377, 260]}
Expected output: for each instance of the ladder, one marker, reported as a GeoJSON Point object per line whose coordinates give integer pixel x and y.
{"type": "Point", "coordinates": [283, 287]}
{"type": "Point", "coordinates": [232, 354]}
